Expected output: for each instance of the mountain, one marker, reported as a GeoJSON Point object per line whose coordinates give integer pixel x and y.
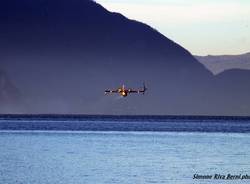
{"type": "Point", "coordinates": [9, 95]}
{"type": "Point", "coordinates": [61, 55]}
{"type": "Point", "coordinates": [218, 64]}
{"type": "Point", "coordinates": [233, 90]}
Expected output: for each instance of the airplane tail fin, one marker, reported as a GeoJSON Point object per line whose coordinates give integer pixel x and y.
{"type": "Point", "coordinates": [144, 88]}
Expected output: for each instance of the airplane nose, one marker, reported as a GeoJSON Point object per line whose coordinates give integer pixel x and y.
{"type": "Point", "coordinates": [124, 94]}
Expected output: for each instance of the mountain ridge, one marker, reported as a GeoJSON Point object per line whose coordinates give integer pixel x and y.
{"type": "Point", "coordinates": [66, 53]}
{"type": "Point", "coordinates": [220, 63]}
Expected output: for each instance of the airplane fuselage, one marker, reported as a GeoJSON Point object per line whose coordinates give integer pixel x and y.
{"type": "Point", "coordinates": [123, 92]}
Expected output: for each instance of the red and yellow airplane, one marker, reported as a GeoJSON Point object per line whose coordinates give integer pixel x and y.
{"type": "Point", "coordinates": [124, 92]}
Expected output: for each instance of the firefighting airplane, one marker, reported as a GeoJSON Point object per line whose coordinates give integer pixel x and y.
{"type": "Point", "coordinates": [124, 92]}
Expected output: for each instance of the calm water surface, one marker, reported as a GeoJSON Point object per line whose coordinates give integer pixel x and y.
{"type": "Point", "coordinates": [120, 157]}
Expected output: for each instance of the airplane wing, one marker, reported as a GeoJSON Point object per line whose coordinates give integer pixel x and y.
{"type": "Point", "coordinates": [134, 91]}
{"type": "Point", "coordinates": [111, 91]}
{"type": "Point", "coordinates": [139, 90]}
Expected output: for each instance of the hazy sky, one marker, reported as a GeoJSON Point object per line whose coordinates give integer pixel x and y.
{"type": "Point", "coordinates": [201, 26]}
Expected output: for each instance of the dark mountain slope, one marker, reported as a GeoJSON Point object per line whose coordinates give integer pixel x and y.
{"type": "Point", "coordinates": [9, 95]}
{"type": "Point", "coordinates": [62, 55]}
{"type": "Point", "coordinates": [233, 89]}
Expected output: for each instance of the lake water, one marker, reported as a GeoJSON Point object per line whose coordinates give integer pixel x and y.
{"type": "Point", "coordinates": [109, 157]}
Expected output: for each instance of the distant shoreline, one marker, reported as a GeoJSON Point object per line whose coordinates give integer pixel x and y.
{"type": "Point", "coordinates": [126, 123]}
{"type": "Point", "coordinates": [121, 117]}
